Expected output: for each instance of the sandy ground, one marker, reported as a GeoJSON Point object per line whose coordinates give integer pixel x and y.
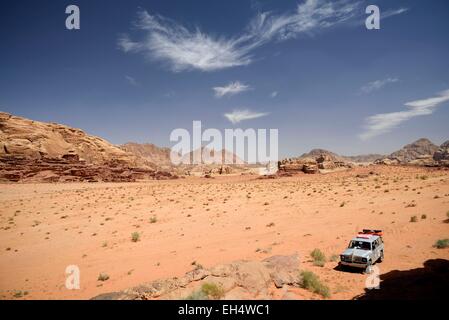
{"type": "Point", "coordinates": [46, 227]}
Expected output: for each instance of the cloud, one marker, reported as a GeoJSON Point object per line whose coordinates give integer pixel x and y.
{"type": "Point", "coordinates": [231, 89]}
{"type": "Point", "coordinates": [132, 81]}
{"type": "Point", "coordinates": [274, 94]}
{"type": "Point", "coordinates": [127, 45]}
{"type": "Point", "coordinates": [237, 116]}
{"type": "Point", "coordinates": [385, 122]}
{"type": "Point", "coordinates": [192, 49]}
{"type": "Point", "coordinates": [376, 85]}
{"type": "Point", "coordinates": [391, 13]}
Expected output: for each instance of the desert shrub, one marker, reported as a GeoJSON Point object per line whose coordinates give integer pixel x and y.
{"type": "Point", "coordinates": [423, 216]}
{"type": "Point", "coordinates": [319, 258]}
{"type": "Point", "coordinates": [197, 295]}
{"type": "Point", "coordinates": [206, 292]}
{"type": "Point", "coordinates": [334, 258]}
{"type": "Point", "coordinates": [135, 236]}
{"type": "Point", "coordinates": [442, 243]}
{"type": "Point", "coordinates": [212, 290]}
{"type": "Point", "coordinates": [414, 219]}
{"type": "Point", "coordinates": [311, 282]}
{"type": "Point", "coordinates": [153, 219]}
{"type": "Point", "coordinates": [103, 277]}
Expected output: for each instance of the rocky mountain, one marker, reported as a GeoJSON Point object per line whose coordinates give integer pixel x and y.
{"type": "Point", "coordinates": [421, 152]}
{"type": "Point", "coordinates": [365, 157]}
{"type": "Point", "coordinates": [205, 155]}
{"type": "Point", "coordinates": [148, 151]}
{"type": "Point", "coordinates": [314, 161]}
{"type": "Point", "coordinates": [38, 151]}
{"type": "Point", "coordinates": [341, 158]}
{"type": "Point", "coordinates": [442, 154]}
{"type": "Point", "coordinates": [37, 140]}
{"type": "Point", "coordinates": [419, 149]}
{"type": "Point", "coordinates": [314, 153]}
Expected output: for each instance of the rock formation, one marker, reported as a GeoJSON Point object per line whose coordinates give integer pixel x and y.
{"type": "Point", "coordinates": [313, 162]}
{"type": "Point", "coordinates": [237, 280]}
{"type": "Point", "coordinates": [420, 153]}
{"type": "Point", "coordinates": [37, 151]}
{"type": "Point", "coordinates": [420, 149]}
{"type": "Point", "coordinates": [441, 156]}
{"type": "Point", "coordinates": [149, 152]}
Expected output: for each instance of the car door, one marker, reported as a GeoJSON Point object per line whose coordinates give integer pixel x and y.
{"type": "Point", "coordinates": [375, 251]}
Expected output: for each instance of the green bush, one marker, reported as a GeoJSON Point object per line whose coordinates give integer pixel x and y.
{"type": "Point", "coordinates": [207, 291]}
{"type": "Point", "coordinates": [442, 243]}
{"type": "Point", "coordinates": [311, 282]}
{"type": "Point", "coordinates": [135, 236]}
{"type": "Point", "coordinates": [319, 258]}
{"type": "Point", "coordinates": [212, 290]}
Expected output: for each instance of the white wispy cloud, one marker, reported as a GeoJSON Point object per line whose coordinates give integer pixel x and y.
{"type": "Point", "coordinates": [376, 85]}
{"type": "Point", "coordinates": [237, 116]}
{"type": "Point", "coordinates": [132, 81]}
{"type": "Point", "coordinates": [384, 122]}
{"type": "Point", "coordinates": [393, 12]}
{"type": "Point", "coordinates": [274, 94]}
{"type": "Point", "coordinates": [231, 89]}
{"type": "Point", "coordinates": [184, 49]}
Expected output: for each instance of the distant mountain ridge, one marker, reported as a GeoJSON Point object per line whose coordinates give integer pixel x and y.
{"type": "Point", "coordinates": [420, 152]}
{"type": "Point", "coordinates": [158, 155]}
{"type": "Point", "coordinates": [38, 151]}
{"type": "Point", "coordinates": [420, 148]}
{"type": "Point", "coordinates": [314, 153]}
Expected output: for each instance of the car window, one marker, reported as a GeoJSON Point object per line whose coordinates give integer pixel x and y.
{"type": "Point", "coordinates": [364, 245]}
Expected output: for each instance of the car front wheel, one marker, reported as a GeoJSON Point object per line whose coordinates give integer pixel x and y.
{"type": "Point", "coordinates": [368, 269]}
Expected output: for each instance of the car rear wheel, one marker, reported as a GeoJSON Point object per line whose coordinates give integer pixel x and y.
{"type": "Point", "coordinates": [381, 258]}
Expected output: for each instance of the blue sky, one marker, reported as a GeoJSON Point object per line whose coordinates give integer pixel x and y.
{"type": "Point", "coordinates": [139, 69]}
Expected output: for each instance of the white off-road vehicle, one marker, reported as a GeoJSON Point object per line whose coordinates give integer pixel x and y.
{"type": "Point", "coordinates": [364, 250]}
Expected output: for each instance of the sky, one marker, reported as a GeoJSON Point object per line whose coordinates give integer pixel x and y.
{"type": "Point", "coordinates": [137, 70]}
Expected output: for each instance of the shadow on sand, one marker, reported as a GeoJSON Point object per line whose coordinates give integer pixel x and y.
{"type": "Point", "coordinates": [430, 282]}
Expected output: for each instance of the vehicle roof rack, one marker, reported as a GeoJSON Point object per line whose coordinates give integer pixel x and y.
{"type": "Point", "coordinates": [373, 232]}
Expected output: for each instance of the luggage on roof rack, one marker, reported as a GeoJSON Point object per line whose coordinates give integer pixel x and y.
{"type": "Point", "coordinates": [372, 232]}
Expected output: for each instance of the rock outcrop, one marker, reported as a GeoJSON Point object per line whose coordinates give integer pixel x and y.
{"type": "Point", "coordinates": [365, 158]}
{"type": "Point", "coordinates": [420, 149]}
{"type": "Point", "coordinates": [419, 153]}
{"type": "Point", "coordinates": [237, 280]}
{"type": "Point", "coordinates": [150, 152]}
{"type": "Point", "coordinates": [441, 156]}
{"type": "Point", "coordinates": [313, 162]}
{"type": "Point", "coordinates": [48, 152]}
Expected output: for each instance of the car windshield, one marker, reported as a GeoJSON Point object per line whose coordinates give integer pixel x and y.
{"type": "Point", "coordinates": [364, 245]}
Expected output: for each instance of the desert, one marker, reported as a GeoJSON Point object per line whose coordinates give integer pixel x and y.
{"type": "Point", "coordinates": [46, 227]}
{"type": "Point", "coordinates": [134, 226]}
